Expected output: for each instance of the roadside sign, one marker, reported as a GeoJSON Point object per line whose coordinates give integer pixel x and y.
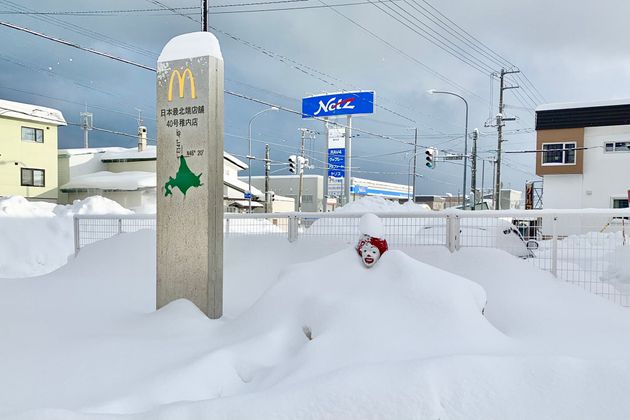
{"type": "Point", "coordinates": [335, 187]}
{"type": "Point", "coordinates": [341, 103]}
{"type": "Point", "coordinates": [248, 195]}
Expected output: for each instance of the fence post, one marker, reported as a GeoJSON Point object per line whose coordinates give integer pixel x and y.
{"type": "Point", "coordinates": [554, 247]}
{"type": "Point", "coordinates": [119, 225]}
{"type": "Point", "coordinates": [452, 232]}
{"type": "Point", "coordinates": [227, 226]}
{"type": "Point", "coordinates": [77, 245]}
{"type": "Point", "coordinates": [293, 228]}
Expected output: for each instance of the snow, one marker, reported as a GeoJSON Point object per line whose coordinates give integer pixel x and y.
{"type": "Point", "coordinates": [380, 205]}
{"type": "Point", "coordinates": [89, 151]}
{"type": "Point", "coordinates": [589, 104]}
{"type": "Point", "coordinates": [37, 237]}
{"type": "Point", "coordinates": [29, 112]}
{"type": "Point", "coordinates": [371, 225]}
{"type": "Point", "coordinates": [307, 333]}
{"type": "Point", "coordinates": [405, 339]}
{"type": "Point", "coordinates": [104, 180]}
{"type": "Point", "coordinates": [150, 153]}
{"type": "Point", "coordinates": [191, 45]}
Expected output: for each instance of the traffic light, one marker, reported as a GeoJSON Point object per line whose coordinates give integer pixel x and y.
{"type": "Point", "coordinates": [430, 158]}
{"type": "Point", "coordinates": [293, 164]}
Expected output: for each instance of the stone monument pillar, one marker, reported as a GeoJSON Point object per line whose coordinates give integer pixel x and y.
{"type": "Point", "coordinates": [190, 172]}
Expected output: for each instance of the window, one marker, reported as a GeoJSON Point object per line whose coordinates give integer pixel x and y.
{"type": "Point", "coordinates": [32, 134]}
{"type": "Point", "coordinates": [620, 203]}
{"type": "Point", "coordinates": [307, 199]}
{"type": "Point", "coordinates": [617, 146]}
{"type": "Point", "coordinates": [558, 154]}
{"type": "Point", "coordinates": [33, 177]}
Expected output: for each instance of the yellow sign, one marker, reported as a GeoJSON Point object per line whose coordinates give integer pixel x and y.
{"type": "Point", "coordinates": [181, 79]}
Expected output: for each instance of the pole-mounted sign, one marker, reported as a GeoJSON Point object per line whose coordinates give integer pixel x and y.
{"type": "Point", "coordinates": [190, 172]}
{"type": "Point", "coordinates": [339, 157]}
{"type": "Point", "coordinates": [342, 103]}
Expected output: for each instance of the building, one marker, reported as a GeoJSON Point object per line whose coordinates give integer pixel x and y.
{"type": "Point", "coordinates": [128, 176]}
{"type": "Point", "coordinates": [313, 189]}
{"type": "Point", "coordinates": [28, 150]}
{"type": "Point", "coordinates": [287, 186]}
{"type": "Point", "coordinates": [584, 156]}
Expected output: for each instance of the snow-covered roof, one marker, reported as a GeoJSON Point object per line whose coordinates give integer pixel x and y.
{"type": "Point", "coordinates": [190, 45]}
{"type": "Point", "coordinates": [112, 181]}
{"type": "Point", "coordinates": [243, 186]}
{"type": "Point", "coordinates": [591, 104]}
{"type": "Point", "coordinates": [89, 151]}
{"type": "Point", "coordinates": [235, 161]}
{"type": "Point", "coordinates": [30, 112]}
{"type": "Point", "coordinates": [126, 154]}
{"type": "Point", "coordinates": [150, 153]}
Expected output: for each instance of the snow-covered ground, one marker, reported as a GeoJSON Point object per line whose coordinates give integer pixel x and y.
{"type": "Point", "coordinates": [308, 333]}
{"type": "Point", "coordinates": [37, 237]}
{"type": "Point", "coordinates": [405, 339]}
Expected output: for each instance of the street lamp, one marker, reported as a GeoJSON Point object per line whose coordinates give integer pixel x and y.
{"type": "Point", "coordinates": [433, 91]}
{"type": "Point", "coordinates": [249, 155]}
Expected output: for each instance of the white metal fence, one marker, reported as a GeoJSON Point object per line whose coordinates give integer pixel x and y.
{"type": "Point", "coordinates": [589, 248]}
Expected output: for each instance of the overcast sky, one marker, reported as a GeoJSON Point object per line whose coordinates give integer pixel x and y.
{"type": "Point", "coordinates": [567, 51]}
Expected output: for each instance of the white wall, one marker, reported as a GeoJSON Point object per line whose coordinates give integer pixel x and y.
{"type": "Point", "coordinates": [606, 175]}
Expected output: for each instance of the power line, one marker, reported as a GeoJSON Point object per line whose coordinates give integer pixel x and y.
{"type": "Point", "coordinates": [431, 38]}
{"type": "Point", "coordinates": [77, 46]}
{"type": "Point", "coordinates": [408, 56]}
{"type": "Point", "coordinates": [165, 7]}
{"type": "Point", "coordinates": [82, 31]}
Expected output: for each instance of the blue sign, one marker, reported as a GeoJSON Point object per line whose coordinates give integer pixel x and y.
{"type": "Point", "coordinates": [345, 103]}
{"type": "Point", "coordinates": [336, 160]}
{"type": "Point", "coordinates": [336, 173]}
{"type": "Point", "coordinates": [248, 194]}
{"type": "Point", "coordinates": [336, 152]}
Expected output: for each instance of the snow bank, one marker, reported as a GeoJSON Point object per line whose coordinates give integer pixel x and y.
{"type": "Point", "coordinates": [618, 272]}
{"type": "Point", "coordinates": [325, 339]}
{"type": "Point", "coordinates": [37, 237]}
{"type": "Point", "coordinates": [373, 204]}
{"type": "Point", "coordinates": [16, 206]}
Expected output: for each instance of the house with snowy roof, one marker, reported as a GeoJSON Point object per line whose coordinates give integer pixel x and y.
{"type": "Point", "coordinates": [28, 150]}
{"type": "Point", "coordinates": [128, 176]}
{"type": "Point", "coordinates": [583, 154]}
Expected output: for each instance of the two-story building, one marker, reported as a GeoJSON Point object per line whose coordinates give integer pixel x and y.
{"type": "Point", "coordinates": [584, 154]}
{"type": "Point", "coordinates": [28, 150]}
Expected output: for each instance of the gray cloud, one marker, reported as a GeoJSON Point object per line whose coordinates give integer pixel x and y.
{"type": "Point", "coordinates": [571, 51]}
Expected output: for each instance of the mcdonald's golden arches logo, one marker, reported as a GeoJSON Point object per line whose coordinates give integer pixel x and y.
{"type": "Point", "coordinates": [181, 80]}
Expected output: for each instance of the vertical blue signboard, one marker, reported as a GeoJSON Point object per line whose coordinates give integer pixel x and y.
{"type": "Point", "coordinates": [344, 103]}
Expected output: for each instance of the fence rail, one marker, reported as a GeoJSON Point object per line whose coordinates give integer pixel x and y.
{"type": "Point", "coordinates": [589, 248]}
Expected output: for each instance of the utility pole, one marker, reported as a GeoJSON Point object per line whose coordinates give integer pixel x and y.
{"type": "Point", "coordinates": [301, 169]}
{"type": "Point", "coordinates": [499, 124]}
{"type": "Point", "coordinates": [267, 173]}
{"type": "Point", "coordinates": [483, 175]}
{"type": "Point", "coordinates": [204, 15]}
{"type": "Point", "coordinates": [415, 155]}
{"type": "Point", "coordinates": [494, 177]}
{"type": "Point", "coordinates": [473, 168]}
{"type": "Point", "coordinates": [86, 125]}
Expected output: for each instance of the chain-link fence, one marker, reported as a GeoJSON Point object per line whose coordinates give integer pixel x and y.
{"type": "Point", "coordinates": [589, 248]}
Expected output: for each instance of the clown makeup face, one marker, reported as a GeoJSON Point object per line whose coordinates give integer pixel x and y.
{"type": "Point", "coordinates": [369, 254]}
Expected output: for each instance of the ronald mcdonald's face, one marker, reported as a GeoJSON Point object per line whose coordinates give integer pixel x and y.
{"type": "Point", "coordinates": [369, 254]}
